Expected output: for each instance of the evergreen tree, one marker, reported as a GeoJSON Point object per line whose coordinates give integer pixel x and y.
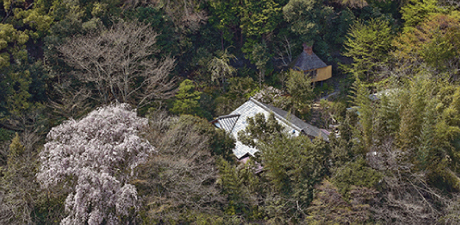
{"type": "Point", "coordinates": [294, 165]}
{"type": "Point", "coordinates": [225, 16]}
{"type": "Point", "coordinates": [413, 101]}
{"type": "Point", "coordinates": [300, 88]}
{"type": "Point", "coordinates": [368, 44]}
{"type": "Point", "coordinates": [306, 17]}
{"type": "Point", "coordinates": [18, 185]}
{"type": "Point", "coordinates": [427, 136]}
{"type": "Point", "coordinates": [365, 114]}
{"type": "Point", "coordinates": [221, 69]}
{"type": "Point", "coordinates": [260, 130]}
{"type": "Point", "coordinates": [187, 99]}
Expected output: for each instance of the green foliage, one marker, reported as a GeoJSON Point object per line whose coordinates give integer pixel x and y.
{"type": "Point", "coordinates": [259, 18]}
{"type": "Point", "coordinates": [279, 165]}
{"type": "Point", "coordinates": [222, 144]}
{"type": "Point", "coordinates": [418, 121]}
{"type": "Point", "coordinates": [242, 187]}
{"type": "Point", "coordinates": [417, 10]}
{"type": "Point", "coordinates": [306, 18]}
{"type": "Point", "coordinates": [356, 173]}
{"type": "Point", "coordinates": [16, 151]}
{"type": "Point", "coordinates": [345, 20]}
{"type": "Point", "coordinates": [231, 182]}
{"type": "Point", "coordinates": [11, 44]}
{"type": "Point", "coordinates": [240, 89]}
{"type": "Point", "coordinates": [413, 112]}
{"type": "Point", "coordinates": [368, 45]}
{"type": "Point", "coordinates": [433, 41]}
{"type": "Point", "coordinates": [300, 88]}
{"type": "Point", "coordinates": [23, 92]}
{"type": "Point", "coordinates": [388, 7]}
{"type": "Point", "coordinates": [187, 99]}
{"type": "Point", "coordinates": [387, 119]}
{"type": "Point", "coordinates": [365, 114]}
{"type": "Point", "coordinates": [260, 56]}
{"type": "Point", "coordinates": [225, 16]}
{"type": "Point", "coordinates": [292, 165]}
{"type": "Point", "coordinates": [167, 41]}
{"type": "Point", "coordinates": [342, 146]}
{"type": "Point", "coordinates": [260, 130]}
{"type": "Point", "coordinates": [318, 24]}
{"type": "Point", "coordinates": [5, 135]}
{"type": "Point", "coordinates": [415, 129]}
{"type": "Point", "coordinates": [50, 207]}
{"type": "Point", "coordinates": [18, 184]}
{"type": "Point", "coordinates": [17, 87]}
{"type": "Point", "coordinates": [220, 68]}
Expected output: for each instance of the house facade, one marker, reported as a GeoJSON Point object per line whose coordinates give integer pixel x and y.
{"type": "Point", "coordinates": [236, 121]}
{"type": "Point", "coordinates": [312, 65]}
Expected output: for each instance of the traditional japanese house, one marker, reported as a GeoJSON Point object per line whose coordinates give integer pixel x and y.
{"type": "Point", "coordinates": [236, 121]}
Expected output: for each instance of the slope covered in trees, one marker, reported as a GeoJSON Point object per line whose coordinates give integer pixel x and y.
{"type": "Point", "coordinates": [89, 88]}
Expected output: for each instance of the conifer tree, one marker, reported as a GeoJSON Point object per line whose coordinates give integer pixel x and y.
{"type": "Point", "coordinates": [260, 130]}
{"type": "Point", "coordinates": [368, 44]}
{"type": "Point", "coordinates": [231, 184]}
{"type": "Point", "coordinates": [221, 69]}
{"type": "Point", "coordinates": [187, 99]}
{"type": "Point", "coordinates": [301, 89]}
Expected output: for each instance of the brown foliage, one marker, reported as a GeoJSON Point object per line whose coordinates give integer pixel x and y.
{"type": "Point", "coordinates": [181, 178]}
{"type": "Point", "coordinates": [18, 188]}
{"type": "Point", "coordinates": [406, 197]}
{"type": "Point", "coordinates": [118, 64]}
{"type": "Point", "coordinates": [329, 207]}
{"type": "Point", "coordinates": [432, 40]}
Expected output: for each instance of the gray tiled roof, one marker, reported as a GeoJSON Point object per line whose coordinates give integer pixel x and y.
{"type": "Point", "coordinates": [306, 62]}
{"type": "Point", "coordinates": [227, 122]}
{"type": "Point", "coordinates": [253, 107]}
{"type": "Point", "coordinates": [306, 128]}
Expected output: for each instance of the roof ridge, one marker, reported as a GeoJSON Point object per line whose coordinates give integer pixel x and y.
{"type": "Point", "coordinates": [264, 106]}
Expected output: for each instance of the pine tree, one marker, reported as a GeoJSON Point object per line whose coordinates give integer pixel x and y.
{"type": "Point", "coordinates": [187, 99]}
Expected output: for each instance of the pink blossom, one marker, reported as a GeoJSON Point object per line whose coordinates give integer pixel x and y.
{"type": "Point", "coordinates": [99, 152]}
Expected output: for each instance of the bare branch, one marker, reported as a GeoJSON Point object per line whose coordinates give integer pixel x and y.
{"type": "Point", "coordinates": [119, 64]}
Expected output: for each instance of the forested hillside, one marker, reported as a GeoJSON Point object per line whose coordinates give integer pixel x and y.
{"type": "Point", "coordinates": [106, 110]}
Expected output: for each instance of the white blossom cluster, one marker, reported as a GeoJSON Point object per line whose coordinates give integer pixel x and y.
{"type": "Point", "coordinates": [97, 155]}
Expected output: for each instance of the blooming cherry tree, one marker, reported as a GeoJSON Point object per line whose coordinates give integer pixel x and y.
{"type": "Point", "coordinates": [96, 156]}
